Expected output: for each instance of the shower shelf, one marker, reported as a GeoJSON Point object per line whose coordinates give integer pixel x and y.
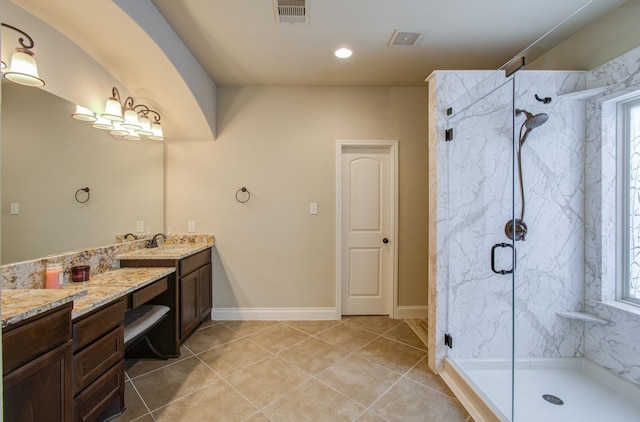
{"type": "Point", "coordinates": [584, 94]}
{"type": "Point", "coordinates": [582, 316]}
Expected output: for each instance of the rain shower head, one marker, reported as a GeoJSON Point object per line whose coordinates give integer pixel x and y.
{"type": "Point", "coordinates": [533, 121]}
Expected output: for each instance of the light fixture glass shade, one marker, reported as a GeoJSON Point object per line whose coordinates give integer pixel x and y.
{"type": "Point", "coordinates": [113, 110]}
{"type": "Point", "coordinates": [103, 123]}
{"type": "Point", "coordinates": [118, 130]}
{"type": "Point", "coordinates": [131, 120]}
{"type": "Point", "coordinates": [23, 69]}
{"type": "Point", "coordinates": [145, 126]}
{"type": "Point", "coordinates": [132, 136]}
{"type": "Point", "coordinates": [84, 114]}
{"type": "Point", "coordinates": [156, 129]}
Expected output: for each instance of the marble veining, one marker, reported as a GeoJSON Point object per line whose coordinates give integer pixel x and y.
{"type": "Point", "coordinates": [615, 346]}
{"type": "Point", "coordinates": [475, 195]}
{"type": "Point", "coordinates": [20, 304]}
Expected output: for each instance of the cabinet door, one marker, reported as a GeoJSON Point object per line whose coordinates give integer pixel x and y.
{"type": "Point", "coordinates": [205, 298]}
{"type": "Point", "coordinates": [40, 390]}
{"type": "Point", "coordinates": [189, 314]}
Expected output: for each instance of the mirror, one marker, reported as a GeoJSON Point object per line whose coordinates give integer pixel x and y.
{"type": "Point", "coordinates": [47, 156]}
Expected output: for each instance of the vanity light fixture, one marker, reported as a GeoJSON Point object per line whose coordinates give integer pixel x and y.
{"type": "Point", "coordinates": [84, 114]}
{"type": "Point", "coordinates": [23, 69]}
{"type": "Point", "coordinates": [126, 119]}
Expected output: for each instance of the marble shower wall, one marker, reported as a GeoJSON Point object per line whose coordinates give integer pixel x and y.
{"type": "Point", "coordinates": [616, 345]}
{"type": "Point", "coordinates": [444, 89]}
{"type": "Point", "coordinates": [474, 194]}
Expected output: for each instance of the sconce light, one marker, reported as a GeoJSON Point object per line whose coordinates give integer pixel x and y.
{"type": "Point", "coordinates": [131, 124]}
{"type": "Point", "coordinates": [23, 69]}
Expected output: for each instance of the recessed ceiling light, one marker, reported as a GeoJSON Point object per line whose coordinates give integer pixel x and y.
{"type": "Point", "coordinates": [343, 53]}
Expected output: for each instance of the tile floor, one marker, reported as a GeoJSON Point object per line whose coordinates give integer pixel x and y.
{"type": "Point", "coordinates": [357, 369]}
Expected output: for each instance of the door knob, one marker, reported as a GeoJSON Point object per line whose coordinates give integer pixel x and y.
{"type": "Point", "coordinates": [385, 240]}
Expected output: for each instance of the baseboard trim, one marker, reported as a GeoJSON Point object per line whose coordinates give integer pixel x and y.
{"type": "Point", "coordinates": [274, 314]}
{"type": "Point", "coordinates": [404, 312]}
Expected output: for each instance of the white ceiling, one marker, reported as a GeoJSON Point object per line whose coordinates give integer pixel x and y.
{"type": "Point", "coordinates": [239, 43]}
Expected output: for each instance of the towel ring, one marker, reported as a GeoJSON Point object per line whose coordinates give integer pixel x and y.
{"type": "Point", "coordinates": [86, 190]}
{"type": "Point", "coordinates": [243, 189]}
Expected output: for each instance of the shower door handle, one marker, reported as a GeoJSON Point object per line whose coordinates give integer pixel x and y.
{"type": "Point", "coordinates": [493, 258]}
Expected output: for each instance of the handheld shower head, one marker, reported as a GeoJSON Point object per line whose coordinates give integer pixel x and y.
{"type": "Point", "coordinates": [532, 121]}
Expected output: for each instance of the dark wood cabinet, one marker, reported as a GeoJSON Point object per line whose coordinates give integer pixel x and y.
{"type": "Point", "coordinates": [98, 363]}
{"type": "Point", "coordinates": [37, 368]}
{"type": "Point", "coordinates": [205, 294]}
{"type": "Point", "coordinates": [193, 288]}
{"type": "Point", "coordinates": [195, 299]}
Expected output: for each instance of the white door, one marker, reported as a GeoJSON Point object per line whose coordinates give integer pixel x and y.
{"type": "Point", "coordinates": [367, 226]}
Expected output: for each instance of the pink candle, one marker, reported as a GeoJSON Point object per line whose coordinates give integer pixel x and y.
{"type": "Point", "coordinates": [53, 276]}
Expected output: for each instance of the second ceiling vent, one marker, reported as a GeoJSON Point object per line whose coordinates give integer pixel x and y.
{"type": "Point", "coordinates": [291, 11]}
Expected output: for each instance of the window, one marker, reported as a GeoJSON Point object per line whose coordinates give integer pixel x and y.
{"type": "Point", "coordinates": [629, 202]}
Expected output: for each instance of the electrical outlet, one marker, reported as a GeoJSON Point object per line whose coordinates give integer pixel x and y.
{"type": "Point", "coordinates": [140, 226]}
{"type": "Point", "coordinates": [15, 208]}
{"type": "Point", "coordinates": [192, 226]}
{"type": "Point", "coordinates": [313, 208]}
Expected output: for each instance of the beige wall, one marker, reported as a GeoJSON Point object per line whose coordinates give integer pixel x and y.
{"type": "Point", "coordinates": [279, 142]}
{"type": "Point", "coordinates": [606, 38]}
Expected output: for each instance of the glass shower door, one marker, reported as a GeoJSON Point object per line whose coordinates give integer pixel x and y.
{"type": "Point", "coordinates": [480, 205]}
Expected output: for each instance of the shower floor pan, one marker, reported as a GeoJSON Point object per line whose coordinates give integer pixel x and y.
{"type": "Point", "coordinates": [589, 393]}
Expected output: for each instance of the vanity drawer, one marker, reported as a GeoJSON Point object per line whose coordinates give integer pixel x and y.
{"type": "Point", "coordinates": [34, 337]}
{"type": "Point", "coordinates": [96, 359]}
{"type": "Point", "coordinates": [194, 262]}
{"type": "Point", "coordinates": [101, 395]}
{"type": "Point", "coordinates": [147, 293]}
{"type": "Point", "coordinates": [97, 324]}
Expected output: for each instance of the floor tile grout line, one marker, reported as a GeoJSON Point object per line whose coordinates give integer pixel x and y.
{"type": "Point", "coordinates": [142, 400]}
{"type": "Point", "coordinates": [260, 409]}
{"type": "Point", "coordinates": [185, 396]}
{"type": "Point", "coordinates": [310, 376]}
{"type": "Point", "coordinates": [425, 385]}
{"type": "Point", "coordinates": [393, 385]}
{"type": "Point", "coordinates": [178, 360]}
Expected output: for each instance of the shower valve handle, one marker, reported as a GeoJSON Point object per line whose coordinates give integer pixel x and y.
{"type": "Point", "coordinates": [493, 258]}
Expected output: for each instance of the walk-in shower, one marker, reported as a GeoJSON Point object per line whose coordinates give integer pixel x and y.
{"type": "Point", "coordinates": [528, 340]}
{"type": "Point", "coordinates": [517, 229]}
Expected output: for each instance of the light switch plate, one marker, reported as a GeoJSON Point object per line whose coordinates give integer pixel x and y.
{"type": "Point", "coordinates": [192, 226]}
{"type": "Point", "coordinates": [15, 208]}
{"type": "Point", "coordinates": [313, 208]}
{"type": "Point", "coordinates": [140, 226]}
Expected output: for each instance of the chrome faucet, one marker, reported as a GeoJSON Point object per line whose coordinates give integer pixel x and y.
{"type": "Point", "coordinates": [153, 243]}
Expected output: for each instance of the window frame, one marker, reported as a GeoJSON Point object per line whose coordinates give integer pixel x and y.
{"type": "Point", "coordinates": [623, 234]}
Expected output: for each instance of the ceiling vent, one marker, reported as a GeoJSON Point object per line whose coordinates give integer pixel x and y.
{"type": "Point", "coordinates": [291, 11]}
{"type": "Point", "coordinates": [403, 38]}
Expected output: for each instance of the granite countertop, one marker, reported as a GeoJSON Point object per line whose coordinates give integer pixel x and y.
{"type": "Point", "coordinates": [20, 304]}
{"type": "Point", "coordinates": [111, 285]}
{"type": "Point", "coordinates": [167, 251]}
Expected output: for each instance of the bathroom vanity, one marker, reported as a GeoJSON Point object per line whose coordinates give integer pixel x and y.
{"type": "Point", "coordinates": [65, 347]}
{"type": "Point", "coordinates": [193, 277]}
{"type": "Point", "coordinates": [37, 364]}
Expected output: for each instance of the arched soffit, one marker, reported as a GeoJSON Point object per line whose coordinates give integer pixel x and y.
{"type": "Point", "coordinates": [131, 56]}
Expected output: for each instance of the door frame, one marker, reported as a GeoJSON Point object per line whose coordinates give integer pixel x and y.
{"type": "Point", "coordinates": [392, 147]}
